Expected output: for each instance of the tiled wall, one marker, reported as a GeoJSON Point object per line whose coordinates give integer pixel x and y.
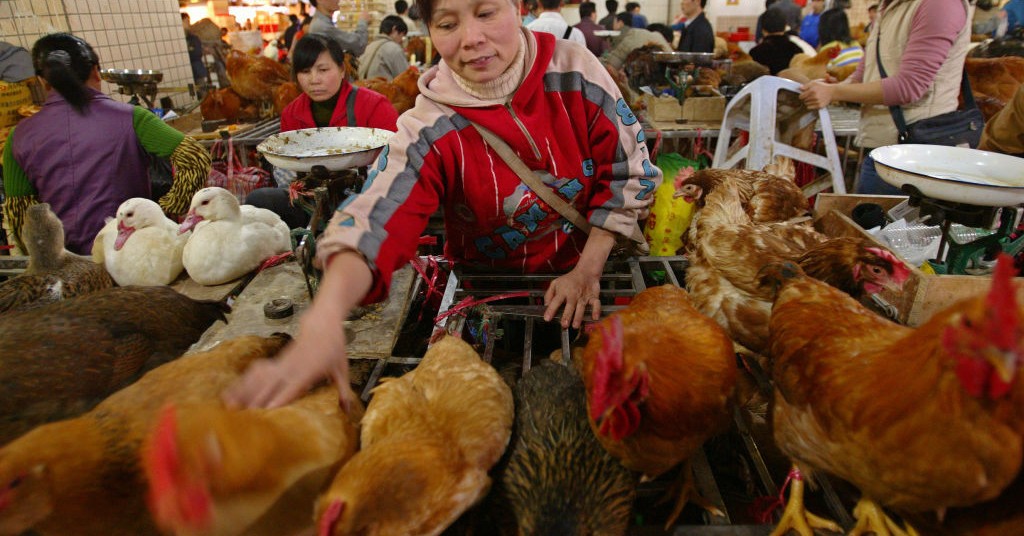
{"type": "Point", "coordinates": [127, 34]}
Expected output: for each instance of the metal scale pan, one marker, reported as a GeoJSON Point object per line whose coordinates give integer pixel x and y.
{"type": "Point", "coordinates": [335, 148]}
{"type": "Point", "coordinates": [959, 185]}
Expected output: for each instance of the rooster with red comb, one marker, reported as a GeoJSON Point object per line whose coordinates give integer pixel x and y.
{"type": "Point", "coordinates": [920, 420]}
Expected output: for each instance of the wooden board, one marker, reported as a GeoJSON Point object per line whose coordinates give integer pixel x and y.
{"type": "Point", "coordinates": [923, 294]}
{"type": "Point", "coordinates": [371, 336]}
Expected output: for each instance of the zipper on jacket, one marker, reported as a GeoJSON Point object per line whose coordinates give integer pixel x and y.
{"type": "Point", "coordinates": [522, 127]}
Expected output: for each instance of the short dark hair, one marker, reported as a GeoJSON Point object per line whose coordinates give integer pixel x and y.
{"type": "Point", "coordinates": [703, 3]}
{"type": "Point", "coordinates": [774, 21]}
{"type": "Point", "coordinates": [611, 5]}
{"type": "Point", "coordinates": [309, 48]}
{"type": "Point", "coordinates": [873, 7]}
{"type": "Point", "coordinates": [550, 4]}
{"type": "Point", "coordinates": [630, 6]}
{"type": "Point", "coordinates": [662, 29]}
{"type": "Point", "coordinates": [312, 3]}
{"type": "Point", "coordinates": [66, 62]}
{"type": "Point", "coordinates": [587, 9]}
{"type": "Point", "coordinates": [625, 18]}
{"type": "Point", "coordinates": [833, 25]}
{"type": "Point", "coordinates": [185, 16]}
{"type": "Point", "coordinates": [294, 18]}
{"type": "Point", "coordinates": [401, 6]}
{"type": "Point", "coordinates": [391, 23]}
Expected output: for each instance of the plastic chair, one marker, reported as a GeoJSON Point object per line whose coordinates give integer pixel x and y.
{"type": "Point", "coordinates": [756, 109]}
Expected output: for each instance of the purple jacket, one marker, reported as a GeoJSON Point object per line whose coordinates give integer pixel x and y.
{"type": "Point", "coordinates": [597, 45]}
{"type": "Point", "coordinates": [84, 166]}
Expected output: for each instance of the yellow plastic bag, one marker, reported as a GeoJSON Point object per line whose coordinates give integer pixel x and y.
{"type": "Point", "coordinates": [670, 217]}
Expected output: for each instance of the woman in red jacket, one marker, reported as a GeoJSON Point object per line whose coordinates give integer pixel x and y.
{"type": "Point", "coordinates": [327, 100]}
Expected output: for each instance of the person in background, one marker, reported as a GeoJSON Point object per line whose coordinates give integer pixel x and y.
{"type": "Point", "coordinates": [384, 56]}
{"type": "Point", "coordinates": [323, 24]}
{"type": "Point", "coordinates": [85, 154]}
{"type": "Point", "coordinates": [872, 15]}
{"type": "Point", "coordinates": [639, 21]}
{"type": "Point", "coordinates": [588, 24]}
{"type": "Point", "coordinates": [922, 44]}
{"type": "Point", "coordinates": [759, 27]}
{"type": "Point", "coordinates": [200, 74]}
{"type": "Point", "coordinates": [809, 24]}
{"type": "Point", "coordinates": [327, 100]}
{"type": "Point", "coordinates": [402, 10]}
{"type": "Point", "coordinates": [630, 39]}
{"type": "Point", "coordinates": [532, 11]}
{"type": "Point", "coordinates": [834, 30]}
{"type": "Point", "coordinates": [419, 26]}
{"type": "Point", "coordinates": [986, 17]}
{"type": "Point", "coordinates": [775, 49]}
{"type": "Point", "coordinates": [663, 29]}
{"type": "Point", "coordinates": [609, 20]}
{"type": "Point", "coordinates": [593, 158]}
{"type": "Point", "coordinates": [1014, 11]}
{"type": "Point", "coordinates": [293, 28]}
{"type": "Point", "coordinates": [15, 63]}
{"type": "Point", "coordinates": [790, 11]}
{"type": "Point", "coordinates": [697, 36]}
{"type": "Point", "coordinates": [551, 21]}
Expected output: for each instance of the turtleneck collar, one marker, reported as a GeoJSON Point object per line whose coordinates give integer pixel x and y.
{"type": "Point", "coordinates": [504, 86]}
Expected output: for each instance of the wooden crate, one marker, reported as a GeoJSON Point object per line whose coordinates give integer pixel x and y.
{"type": "Point", "coordinates": [923, 294]}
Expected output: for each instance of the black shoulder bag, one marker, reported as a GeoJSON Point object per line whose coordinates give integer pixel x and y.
{"type": "Point", "coordinates": [956, 128]}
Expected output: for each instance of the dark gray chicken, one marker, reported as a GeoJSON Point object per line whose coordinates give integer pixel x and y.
{"type": "Point", "coordinates": [53, 272]}
{"type": "Point", "coordinates": [559, 480]}
{"type": "Point", "coordinates": [60, 360]}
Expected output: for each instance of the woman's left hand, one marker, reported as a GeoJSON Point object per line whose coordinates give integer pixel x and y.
{"type": "Point", "coordinates": [575, 290]}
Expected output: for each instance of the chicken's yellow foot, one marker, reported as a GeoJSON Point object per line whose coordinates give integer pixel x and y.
{"type": "Point", "coordinates": [872, 519]}
{"type": "Point", "coordinates": [796, 517]}
{"type": "Point", "coordinates": [684, 490]}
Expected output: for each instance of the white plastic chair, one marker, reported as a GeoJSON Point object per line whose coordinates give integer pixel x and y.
{"type": "Point", "coordinates": [755, 109]}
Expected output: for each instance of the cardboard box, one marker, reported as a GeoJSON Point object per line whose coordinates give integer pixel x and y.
{"type": "Point", "coordinates": [13, 95]}
{"type": "Point", "coordinates": [661, 108]}
{"type": "Point", "coordinates": [923, 294]}
{"type": "Point", "coordinates": [707, 109]}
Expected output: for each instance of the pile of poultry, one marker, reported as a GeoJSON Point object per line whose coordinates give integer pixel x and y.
{"type": "Point", "coordinates": [258, 84]}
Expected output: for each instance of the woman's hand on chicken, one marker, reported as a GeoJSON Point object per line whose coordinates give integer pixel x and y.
{"type": "Point", "coordinates": [319, 351]}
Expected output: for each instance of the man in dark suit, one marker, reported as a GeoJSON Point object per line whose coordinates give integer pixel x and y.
{"type": "Point", "coordinates": [697, 36]}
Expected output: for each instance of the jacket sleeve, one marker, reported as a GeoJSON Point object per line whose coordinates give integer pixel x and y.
{"type": "Point", "coordinates": [190, 160]}
{"type": "Point", "coordinates": [626, 177]}
{"type": "Point", "coordinates": [19, 194]}
{"type": "Point", "coordinates": [383, 223]}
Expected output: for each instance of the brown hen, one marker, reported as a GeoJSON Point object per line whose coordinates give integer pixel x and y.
{"type": "Point", "coordinates": [727, 251]}
{"type": "Point", "coordinates": [83, 476]}
{"type": "Point", "coordinates": [918, 419]}
{"type": "Point", "coordinates": [212, 470]}
{"type": "Point", "coordinates": [255, 77]}
{"type": "Point", "coordinates": [400, 92]}
{"type": "Point", "coordinates": [660, 379]}
{"type": "Point", "coordinates": [61, 360]}
{"type": "Point", "coordinates": [428, 440]}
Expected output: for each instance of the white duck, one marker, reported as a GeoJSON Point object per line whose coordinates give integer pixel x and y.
{"type": "Point", "coordinates": [229, 240]}
{"type": "Point", "coordinates": [140, 246]}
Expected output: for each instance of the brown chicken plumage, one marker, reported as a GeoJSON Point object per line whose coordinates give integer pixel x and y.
{"type": "Point", "coordinates": [284, 95]}
{"type": "Point", "coordinates": [400, 92]}
{"type": "Point", "coordinates": [918, 419]}
{"type": "Point", "coordinates": [212, 470]}
{"type": "Point", "coordinates": [428, 440]}
{"type": "Point", "coordinates": [53, 273]}
{"type": "Point", "coordinates": [586, 493]}
{"type": "Point", "coordinates": [83, 476]}
{"type": "Point", "coordinates": [994, 81]}
{"type": "Point", "coordinates": [255, 77]}
{"type": "Point", "coordinates": [61, 360]}
{"type": "Point", "coordinates": [226, 104]}
{"type": "Point", "coordinates": [727, 251]}
{"type": "Point", "coordinates": [660, 379]}
{"type": "Point", "coordinates": [765, 197]}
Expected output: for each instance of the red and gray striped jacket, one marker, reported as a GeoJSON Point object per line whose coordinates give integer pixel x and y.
{"type": "Point", "coordinates": [567, 121]}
